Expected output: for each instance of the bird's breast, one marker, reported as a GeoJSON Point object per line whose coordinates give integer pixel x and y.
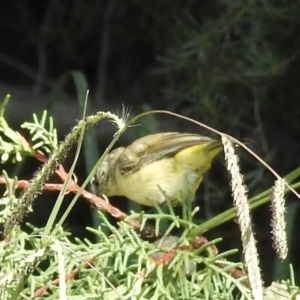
{"type": "Point", "coordinates": [158, 180]}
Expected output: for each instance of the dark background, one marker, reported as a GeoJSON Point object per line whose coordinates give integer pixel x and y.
{"type": "Point", "coordinates": [234, 65]}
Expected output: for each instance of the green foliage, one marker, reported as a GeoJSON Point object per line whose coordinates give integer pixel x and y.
{"type": "Point", "coordinates": [16, 146]}
{"type": "Point", "coordinates": [123, 263]}
{"type": "Point", "coordinates": [122, 267]}
{"type": "Point", "coordinates": [9, 199]}
{"type": "Point", "coordinates": [42, 137]}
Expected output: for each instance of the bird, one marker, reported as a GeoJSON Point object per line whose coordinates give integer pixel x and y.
{"type": "Point", "coordinates": [156, 168]}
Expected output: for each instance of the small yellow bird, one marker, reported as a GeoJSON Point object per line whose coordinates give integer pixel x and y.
{"type": "Point", "coordinates": [157, 167]}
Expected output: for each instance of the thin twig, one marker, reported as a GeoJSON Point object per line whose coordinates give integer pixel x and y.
{"type": "Point", "coordinates": [73, 187]}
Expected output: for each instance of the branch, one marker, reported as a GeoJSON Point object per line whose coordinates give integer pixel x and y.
{"type": "Point", "coordinates": [73, 187]}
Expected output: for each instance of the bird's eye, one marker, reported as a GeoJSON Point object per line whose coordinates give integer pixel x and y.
{"type": "Point", "coordinates": [95, 182]}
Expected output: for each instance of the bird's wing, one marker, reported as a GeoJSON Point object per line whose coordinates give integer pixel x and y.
{"type": "Point", "coordinates": [154, 147]}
